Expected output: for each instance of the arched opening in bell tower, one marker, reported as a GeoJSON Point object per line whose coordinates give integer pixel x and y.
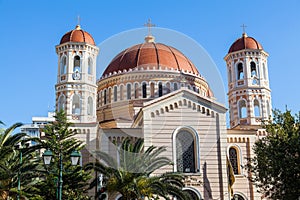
{"type": "Point", "coordinates": [76, 64]}
{"type": "Point", "coordinates": [240, 71]}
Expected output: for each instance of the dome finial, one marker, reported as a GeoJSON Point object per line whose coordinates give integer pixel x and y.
{"type": "Point", "coordinates": [244, 30]}
{"type": "Point", "coordinates": [149, 37]}
{"type": "Point", "coordinates": [78, 23]}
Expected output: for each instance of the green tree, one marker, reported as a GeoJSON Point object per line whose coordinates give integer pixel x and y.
{"type": "Point", "coordinates": [10, 165]}
{"type": "Point", "coordinates": [275, 167]}
{"type": "Point", "coordinates": [59, 138]}
{"type": "Point", "coordinates": [132, 175]}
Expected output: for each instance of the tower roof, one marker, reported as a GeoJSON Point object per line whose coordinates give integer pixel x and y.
{"type": "Point", "coordinates": [151, 55]}
{"type": "Point", "coordinates": [245, 42]}
{"type": "Point", "coordinates": [77, 35]}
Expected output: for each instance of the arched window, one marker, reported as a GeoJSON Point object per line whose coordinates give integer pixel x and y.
{"type": "Point", "coordinates": [144, 88]}
{"type": "Point", "coordinates": [76, 105]}
{"type": "Point", "coordinates": [253, 69]}
{"type": "Point", "coordinates": [191, 194]}
{"type": "Point", "coordinates": [90, 106]}
{"type": "Point", "coordinates": [160, 89]}
{"type": "Point", "coordinates": [61, 103]}
{"type": "Point", "coordinates": [90, 66]}
{"type": "Point", "coordinates": [121, 92]}
{"type": "Point", "coordinates": [238, 197]}
{"type": "Point", "coordinates": [234, 159]}
{"type": "Point", "coordinates": [109, 95]}
{"type": "Point", "coordinates": [76, 64]}
{"type": "Point", "coordinates": [104, 96]}
{"type": "Point", "coordinates": [256, 108]}
{"type": "Point", "coordinates": [152, 90]}
{"type": "Point", "coordinates": [242, 109]}
{"type": "Point", "coordinates": [240, 71]}
{"type": "Point", "coordinates": [168, 88]}
{"type": "Point", "coordinates": [100, 98]}
{"type": "Point", "coordinates": [63, 65]}
{"type": "Point", "coordinates": [186, 150]}
{"type": "Point", "coordinates": [175, 86]}
{"type": "Point", "coordinates": [136, 91]}
{"type": "Point", "coordinates": [128, 91]}
{"type": "Point", "coordinates": [115, 93]}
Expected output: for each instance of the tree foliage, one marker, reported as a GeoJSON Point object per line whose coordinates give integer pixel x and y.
{"type": "Point", "coordinates": [11, 165]}
{"type": "Point", "coordinates": [275, 167]}
{"type": "Point", "coordinates": [59, 138]}
{"type": "Point", "coordinates": [132, 174]}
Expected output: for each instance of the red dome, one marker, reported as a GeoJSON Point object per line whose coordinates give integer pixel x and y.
{"type": "Point", "coordinates": [152, 56]}
{"type": "Point", "coordinates": [77, 35]}
{"type": "Point", "coordinates": [245, 42]}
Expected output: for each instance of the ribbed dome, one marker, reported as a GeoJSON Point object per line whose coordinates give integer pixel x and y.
{"type": "Point", "coordinates": [77, 35]}
{"type": "Point", "coordinates": [244, 42]}
{"type": "Point", "coordinates": [151, 56]}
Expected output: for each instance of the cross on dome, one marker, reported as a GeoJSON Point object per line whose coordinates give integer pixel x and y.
{"type": "Point", "coordinates": [149, 25]}
{"type": "Point", "coordinates": [149, 37]}
{"type": "Point", "coordinates": [244, 30]}
{"type": "Point", "coordinates": [78, 23]}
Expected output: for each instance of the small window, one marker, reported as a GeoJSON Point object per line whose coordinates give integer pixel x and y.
{"type": "Point", "coordinates": [136, 91]}
{"type": "Point", "coordinates": [115, 93]}
{"type": "Point", "coordinates": [256, 108]}
{"type": "Point", "coordinates": [109, 95]}
{"type": "Point", "coordinates": [90, 66]}
{"type": "Point", "coordinates": [100, 98]}
{"type": "Point", "coordinates": [242, 109]}
{"type": "Point", "coordinates": [253, 69]}
{"type": "Point", "coordinates": [76, 105]}
{"type": "Point", "coordinates": [61, 103]}
{"type": "Point", "coordinates": [160, 90]}
{"type": "Point", "coordinates": [175, 86]}
{"type": "Point", "coordinates": [105, 97]}
{"type": "Point", "coordinates": [240, 71]}
{"type": "Point", "coordinates": [144, 88]}
{"type": "Point", "coordinates": [168, 88]}
{"type": "Point", "coordinates": [63, 65]}
{"type": "Point", "coordinates": [121, 92]}
{"type": "Point", "coordinates": [128, 91]}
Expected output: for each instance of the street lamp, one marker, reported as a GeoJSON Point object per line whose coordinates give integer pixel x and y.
{"type": "Point", "coordinates": [20, 147]}
{"type": "Point", "coordinates": [47, 156]}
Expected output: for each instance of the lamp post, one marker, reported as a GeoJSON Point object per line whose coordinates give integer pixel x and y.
{"type": "Point", "coordinates": [20, 147]}
{"type": "Point", "coordinates": [19, 173]}
{"type": "Point", "coordinates": [47, 156]}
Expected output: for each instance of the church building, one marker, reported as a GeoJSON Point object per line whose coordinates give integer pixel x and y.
{"type": "Point", "coordinates": [153, 91]}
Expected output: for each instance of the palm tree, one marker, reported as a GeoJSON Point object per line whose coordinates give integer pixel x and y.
{"type": "Point", "coordinates": [132, 175]}
{"type": "Point", "coordinates": [11, 167]}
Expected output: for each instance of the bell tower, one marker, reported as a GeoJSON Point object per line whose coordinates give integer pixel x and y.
{"type": "Point", "coordinates": [249, 94]}
{"type": "Point", "coordinates": [76, 87]}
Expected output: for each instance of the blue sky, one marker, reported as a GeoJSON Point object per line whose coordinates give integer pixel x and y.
{"type": "Point", "coordinates": [31, 29]}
